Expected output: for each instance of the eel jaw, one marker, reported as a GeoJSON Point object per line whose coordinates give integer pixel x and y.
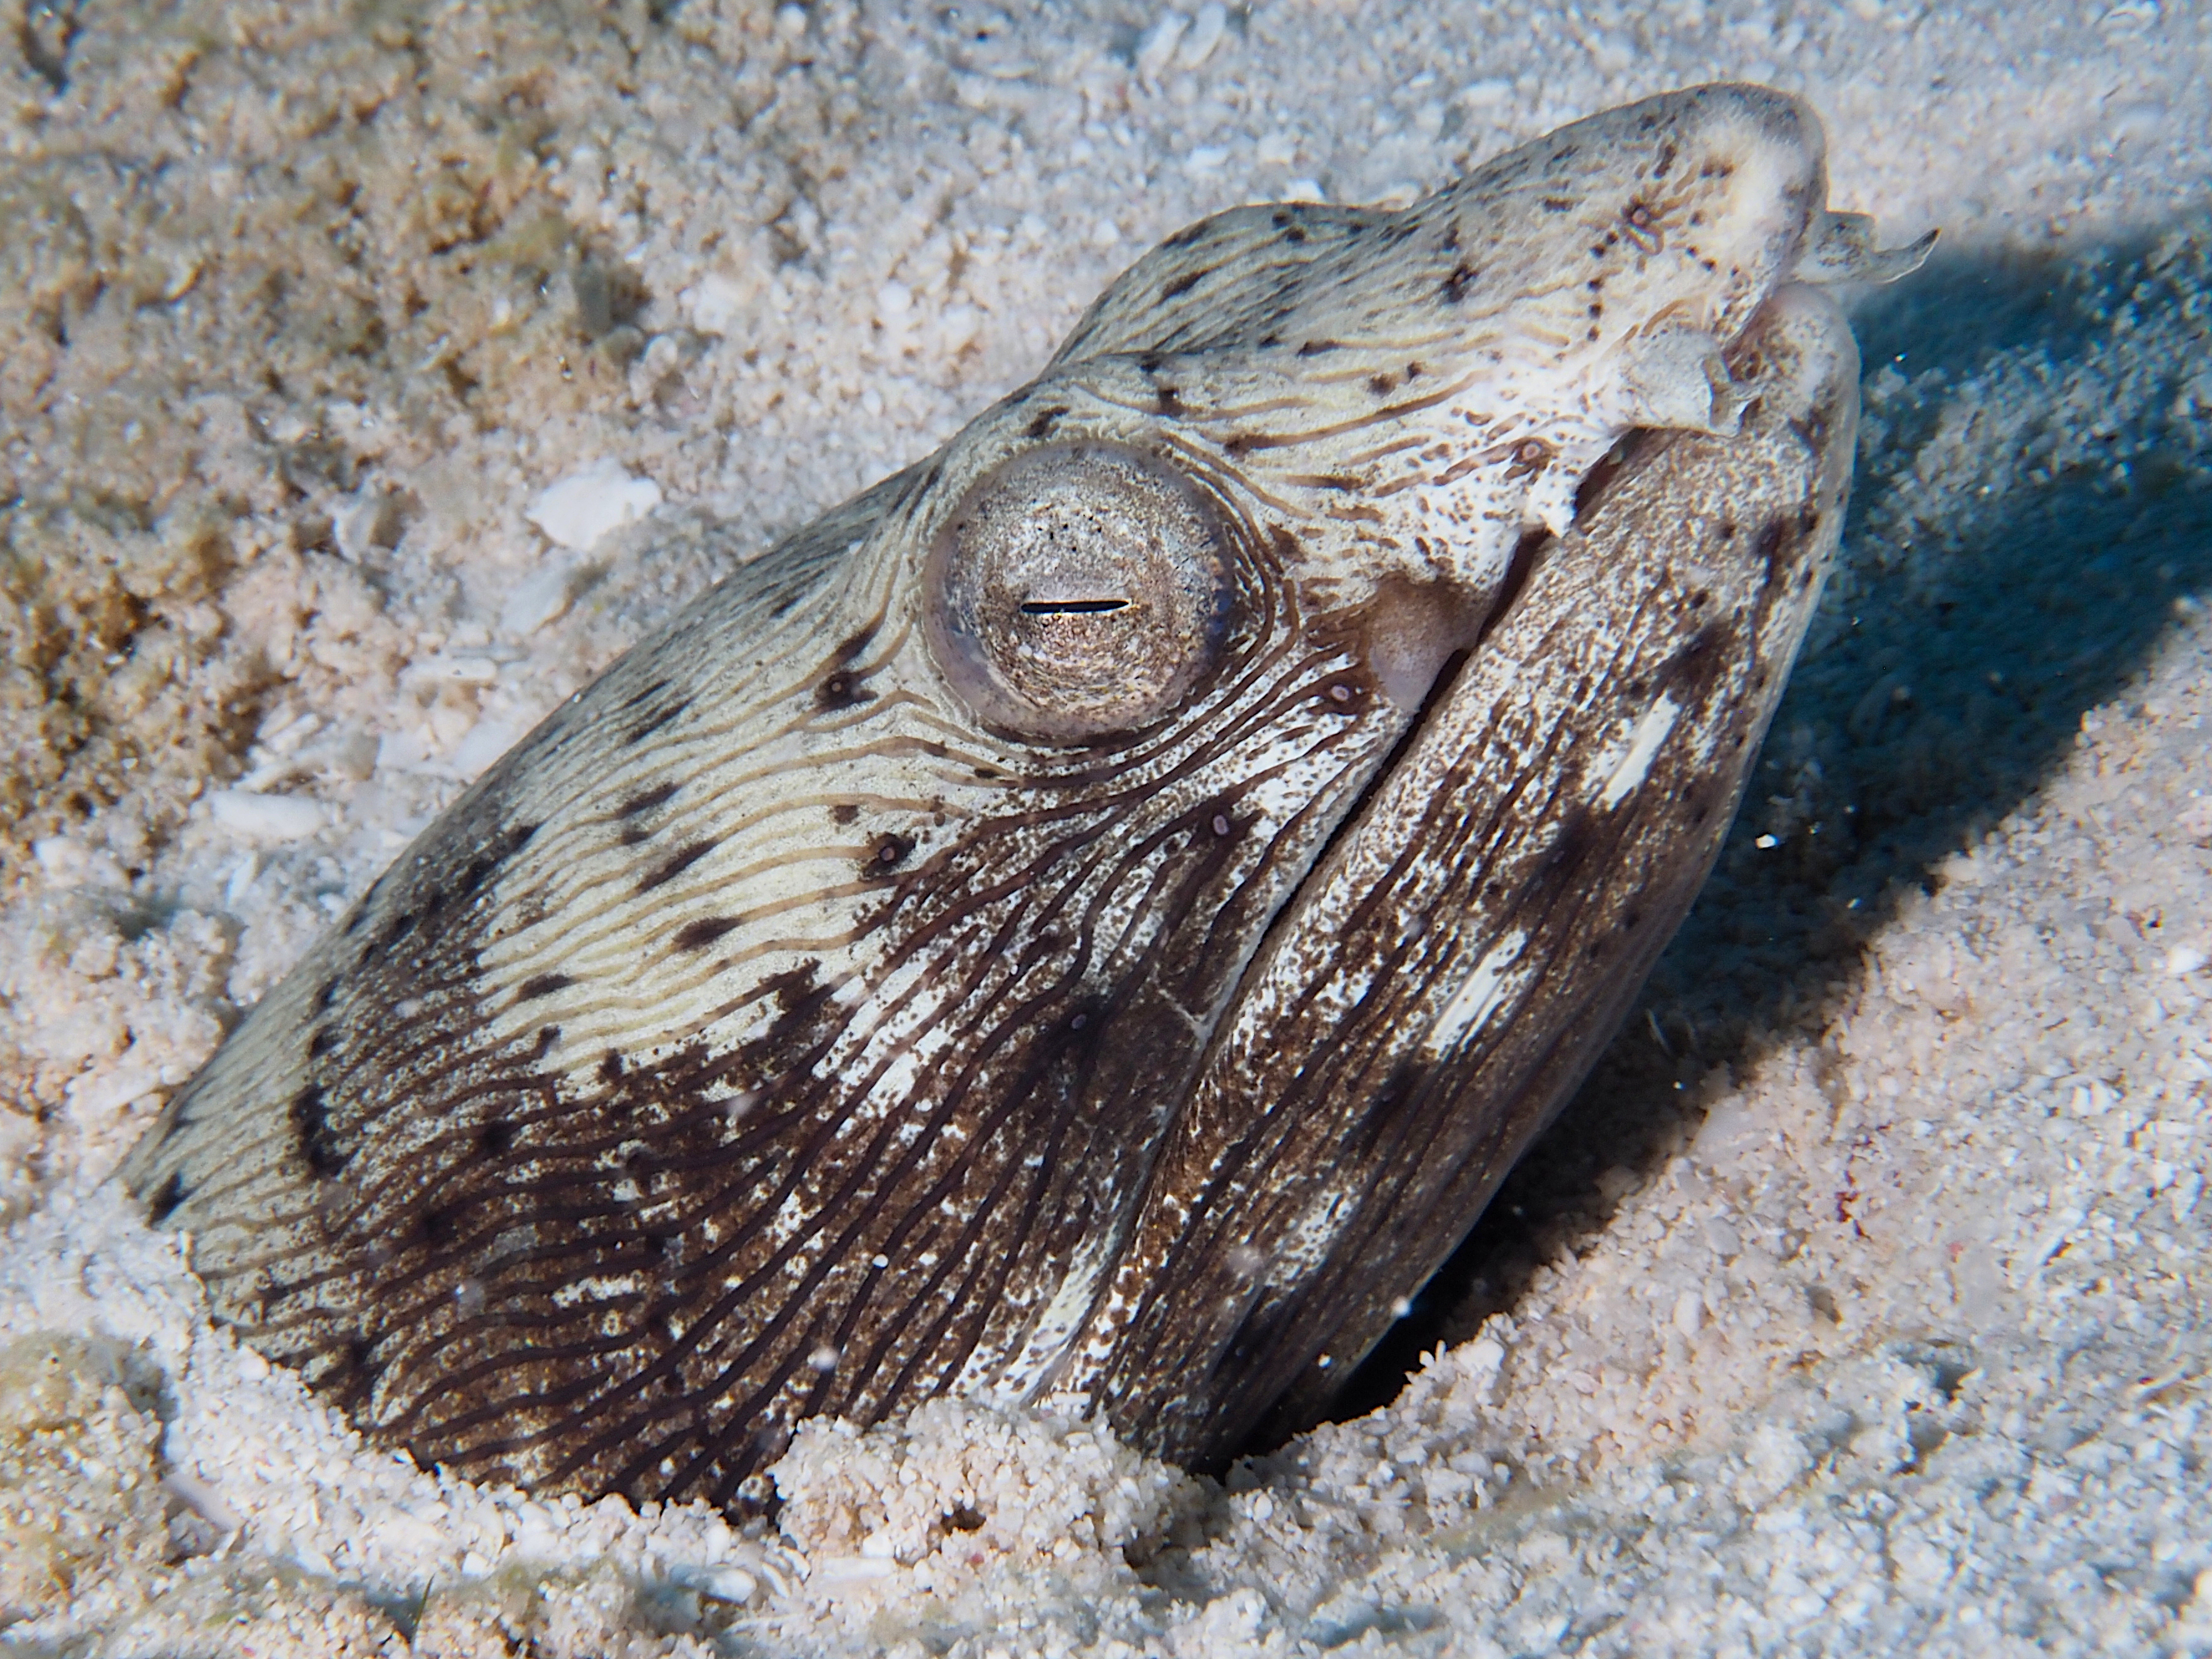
{"type": "Point", "coordinates": [1445, 976]}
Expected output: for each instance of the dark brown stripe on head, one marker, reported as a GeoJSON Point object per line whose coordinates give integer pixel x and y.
{"type": "Point", "coordinates": [665, 717]}
{"type": "Point", "coordinates": [646, 802]}
{"type": "Point", "coordinates": [310, 1122]}
{"type": "Point", "coordinates": [889, 852]}
{"type": "Point", "coordinates": [842, 690]}
{"type": "Point", "coordinates": [167, 1197]}
{"type": "Point", "coordinates": [675, 864]}
{"type": "Point", "coordinates": [544, 985]}
{"type": "Point", "coordinates": [1187, 281]}
{"type": "Point", "coordinates": [698, 935]}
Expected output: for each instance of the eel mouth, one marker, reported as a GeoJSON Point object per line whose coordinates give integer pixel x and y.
{"type": "Point", "coordinates": [1417, 634]}
{"type": "Point", "coordinates": [1420, 637]}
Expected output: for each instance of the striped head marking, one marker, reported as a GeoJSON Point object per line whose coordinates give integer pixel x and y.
{"type": "Point", "coordinates": [1096, 914]}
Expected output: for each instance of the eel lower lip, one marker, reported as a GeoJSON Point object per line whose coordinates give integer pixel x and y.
{"type": "Point", "coordinates": [1457, 956]}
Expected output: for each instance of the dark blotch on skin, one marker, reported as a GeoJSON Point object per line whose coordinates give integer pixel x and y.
{"type": "Point", "coordinates": [639, 699]}
{"type": "Point", "coordinates": [1531, 457]}
{"type": "Point", "coordinates": [1570, 849]}
{"type": "Point", "coordinates": [798, 996]}
{"type": "Point", "coordinates": [481, 866]}
{"type": "Point", "coordinates": [395, 930]}
{"type": "Point", "coordinates": [495, 1138]}
{"type": "Point", "coordinates": [698, 935]}
{"type": "Point", "coordinates": [1456, 285]}
{"type": "Point", "coordinates": [167, 1197]}
{"type": "Point", "coordinates": [544, 985]}
{"type": "Point", "coordinates": [325, 995]}
{"type": "Point", "coordinates": [677, 863]}
{"type": "Point", "coordinates": [1315, 347]}
{"type": "Point", "coordinates": [1042, 424]}
{"type": "Point", "coordinates": [890, 852]}
{"type": "Point", "coordinates": [1184, 284]}
{"type": "Point", "coordinates": [841, 690]}
{"type": "Point", "coordinates": [1340, 698]}
{"type": "Point", "coordinates": [360, 1354]}
{"type": "Point", "coordinates": [318, 1146]}
{"type": "Point", "coordinates": [1768, 543]}
{"type": "Point", "coordinates": [641, 733]}
{"type": "Point", "coordinates": [1693, 672]}
{"type": "Point", "coordinates": [646, 802]}
{"type": "Point", "coordinates": [610, 1068]}
{"type": "Point", "coordinates": [322, 1042]}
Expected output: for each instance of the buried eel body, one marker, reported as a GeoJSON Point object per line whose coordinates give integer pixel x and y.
{"type": "Point", "coordinates": [1093, 918]}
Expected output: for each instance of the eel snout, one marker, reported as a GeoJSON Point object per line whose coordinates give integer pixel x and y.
{"type": "Point", "coordinates": [1731, 206]}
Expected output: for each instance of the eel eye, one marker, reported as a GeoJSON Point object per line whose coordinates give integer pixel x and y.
{"type": "Point", "coordinates": [1078, 590]}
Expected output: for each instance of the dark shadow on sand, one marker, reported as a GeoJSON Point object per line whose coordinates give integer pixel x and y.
{"type": "Point", "coordinates": [1947, 676]}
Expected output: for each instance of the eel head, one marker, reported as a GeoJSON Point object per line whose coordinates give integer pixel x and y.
{"type": "Point", "coordinates": [1093, 918]}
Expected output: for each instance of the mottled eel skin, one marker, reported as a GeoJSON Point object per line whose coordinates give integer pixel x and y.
{"type": "Point", "coordinates": [1095, 916]}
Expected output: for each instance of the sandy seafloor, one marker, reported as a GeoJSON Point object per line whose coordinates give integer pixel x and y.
{"type": "Point", "coordinates": [1857, 1304]}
